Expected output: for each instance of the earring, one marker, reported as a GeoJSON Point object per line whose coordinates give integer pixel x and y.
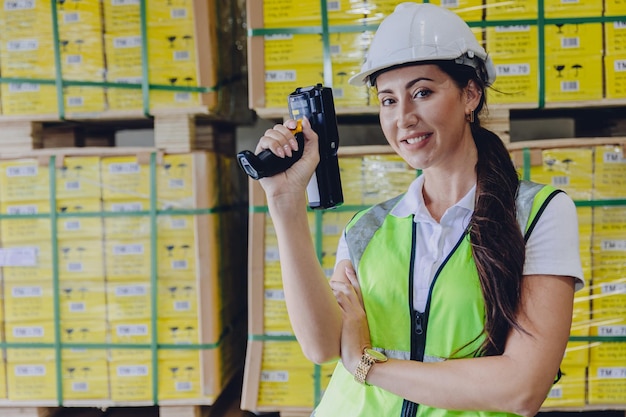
{"type": "Point", "coordinates": [470, 117]}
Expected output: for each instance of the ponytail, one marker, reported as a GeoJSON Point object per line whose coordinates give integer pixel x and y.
{"type": "Point", "coordinates": [497, 241]}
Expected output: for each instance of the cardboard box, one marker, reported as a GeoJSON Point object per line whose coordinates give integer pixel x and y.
{"type": "Point", "coordinates": [573, 78]}
{"type": "Point", "coordinates": [570, 390]}
{"type": "Point", "coordinates": [615, 73]}
{"type": "Point", "coordinates": [512, 42]}
{"type": "Point", "coordinates": [573, 39]}
{"type": "Point", "coordinates": [607, 384]}
{"type": "Point", "coordinates": [30, 381]}
{"type": "Point", "coordinates": [516, 81]}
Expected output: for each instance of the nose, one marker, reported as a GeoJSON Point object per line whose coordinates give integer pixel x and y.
{"type": "Point", "coordinates": [407, 115]}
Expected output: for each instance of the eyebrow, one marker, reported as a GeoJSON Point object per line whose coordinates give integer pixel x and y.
{"type": "Point", "coordinates": [408, 85]}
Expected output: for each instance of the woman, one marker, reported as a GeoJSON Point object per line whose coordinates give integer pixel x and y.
{"type": "Point", "coordinates": [456, 295]}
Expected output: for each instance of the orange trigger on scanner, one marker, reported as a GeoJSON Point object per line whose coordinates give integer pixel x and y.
{"type": "Point", "coordinates": [298, 128]}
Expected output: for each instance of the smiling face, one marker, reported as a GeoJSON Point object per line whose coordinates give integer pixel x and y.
{"type": "Point", "coordinates": [423, 116]}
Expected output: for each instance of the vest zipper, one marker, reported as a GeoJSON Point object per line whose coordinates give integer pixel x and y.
{"type": "Point", "coordinates": [418, 330]}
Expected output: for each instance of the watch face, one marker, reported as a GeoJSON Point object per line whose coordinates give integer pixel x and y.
{"type": "Point", "coordinates": [378, 356]}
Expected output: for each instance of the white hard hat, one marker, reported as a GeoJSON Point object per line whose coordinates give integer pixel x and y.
{"type": "Point", "coordinates": [417, 32]}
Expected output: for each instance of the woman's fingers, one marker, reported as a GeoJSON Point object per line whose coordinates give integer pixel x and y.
{"type": "Point", "coordinates": [279, 139]}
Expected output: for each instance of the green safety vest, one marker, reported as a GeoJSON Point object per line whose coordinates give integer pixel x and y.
{"type": "Point", "coordinates": [382, 252]}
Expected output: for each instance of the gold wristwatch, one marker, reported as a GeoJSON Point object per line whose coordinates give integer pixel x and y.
{"type": "Point", "coordinates": [369, 358]}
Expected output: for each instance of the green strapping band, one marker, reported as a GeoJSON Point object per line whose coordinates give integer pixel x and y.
{"type": "Point", "coordinates": [274, 338]}
{"type": "Point", "coordinates": [526, 156]}
{"type": "Point", "coordinates": [153, 277]}
{"type": "Point", "coordinates": [145, 88]}
{"type": "Point", "coordinates": [328, 64]}
{"type": "Point", "coordinates": [541, 58]}
{"type": "Point", "coordinates": [140, 213]}
{"type": "Point", "coordinates": [57, 61]}
{"type": "Point", "coordinates": [56, 288]}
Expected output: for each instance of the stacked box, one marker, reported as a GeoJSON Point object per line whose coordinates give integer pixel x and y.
{"type": "Point", "coordinates": [82, 54]}
{"type": "Point", "coordinates": [94, 310]}
{"type": "Point", "coordinates": [569, 169]}
{"type": "Point", "coordinates": [172, 48]}
{"type": "Point", "coordinates": [503, 10]}
{"type": "Point", "coordinates": [570, 390]}
{"type": "Point", "coordinates": [573, 68]}
{"type": "Point", "coordinates": [615, 58]}
{"type": "Point", "coordinates": [614, 7]}
{"type": "Point", "coordinates": [288, 379]}
{"type": "Point", "coordinates": [583, 8]}
{"type": "Point", "coordinates": [607, 384]}
{"type": "Point", "coordinates": [27, 51]}
{"type": "Point", "coordinates": [286, 14]}
{"type": "Point", "coordinates": [609, 286]}
{"type": "Point", "coordinates": [514, 50]}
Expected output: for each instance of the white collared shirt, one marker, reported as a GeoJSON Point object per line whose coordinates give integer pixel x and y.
{"type": "Point", "coordinates": [552, 248]}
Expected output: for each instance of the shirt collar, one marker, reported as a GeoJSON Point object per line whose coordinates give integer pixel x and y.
{"type": "Point", "coordinates": [412, 203]}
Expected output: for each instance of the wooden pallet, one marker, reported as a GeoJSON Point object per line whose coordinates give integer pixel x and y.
{"type": "Point", "coordinates": [175, 131]}
{"type": "Point", "coordinates": [29, 411]}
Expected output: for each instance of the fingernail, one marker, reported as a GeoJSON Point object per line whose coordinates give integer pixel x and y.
{"type": "Point", "coordinates": [287, 149]}
{"type": "Point", "coordinates": [294, 144]}
{"type": "Point", "coordinates": [280, 152]}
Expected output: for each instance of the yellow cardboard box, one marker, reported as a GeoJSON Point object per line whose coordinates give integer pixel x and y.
{"type": "Point", "coordinates": [81, 260]}
{"type": "Point", "coordinates": [180, 378]}
{"type": "Point", "coordinates": [177, 258]}
{"type": "Point", "coordinates": [131, 332]}
{"type": "Point", "coordinates": [468, 10]}
{"type": "Point", "coordinates": [25, 229]}
{"type": "Point", "coordinates": [516, 81]}
{"type": "Point", "coordinates": [512, 42]}
{"type": "Point", "coordinates": [79, 228]}
{"type": "Point", "coordinates": [501, 9]}
{"type": "Point", "coordinates": [574, 39]}
{"type": "Point", "coordinates": [30, 261]}
{"type": "Point", "coordinates": [615, 72]}
{"type": "Point", "coordinates": [29, 381]}
{"type": "Point", "coordinates": [124, 177]}
{"type": "Point", "coordinates": [177, 298]}
{"type": "Point", "coordinates": [569, 169]}
{"type": "Point", "coordinates": [127, 259]}
{"type": "Point", "coordinates": [614, 7]}
{"type": "Point", "coordinates": [609, 180]}
{"type": "Point", "coordinates": [572, 78]}
{"type": "Point", "coordinates": [21, 98]}
{"type": "Point", "coordinates": [608, 352]}
{"type": "Point", "coordinates": [23, 179]}
{"type": "Point", "coordinates": [30, 332]}
{"type": "Point", "coordinates": [3, 380]}
{"type": "Point", "coordinates": [615, 38]}
{"type": "Point", "coordinates": [130, 380]}
{"type": "Point", "coordinates": [275, 318]}
{"type": "Point", "coordinates": [570, 390]}
{"type": "Point", "coordinates": [128, 300]}
{"type": "Point", "coordinates": [280, 81]}
{"type": "Point", "coordinates": [127, 226]}
{"type": "Point", "coordinates": [24, 301]}
{"type": "Point", "coordinates": [607, 383]}
{"type": "Point", "coordinates": [582, 8]}
{"type": "Point", "coordinates": [85, 380]}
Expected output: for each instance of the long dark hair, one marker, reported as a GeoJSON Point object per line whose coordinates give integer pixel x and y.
{"type": "Point", "coordinates": [497, 242]}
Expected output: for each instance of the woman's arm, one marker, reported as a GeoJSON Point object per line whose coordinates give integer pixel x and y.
{"type": "Point", "coordinates": [312, 308]}
{"type": "Point", "coordinates": [517, 381]}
